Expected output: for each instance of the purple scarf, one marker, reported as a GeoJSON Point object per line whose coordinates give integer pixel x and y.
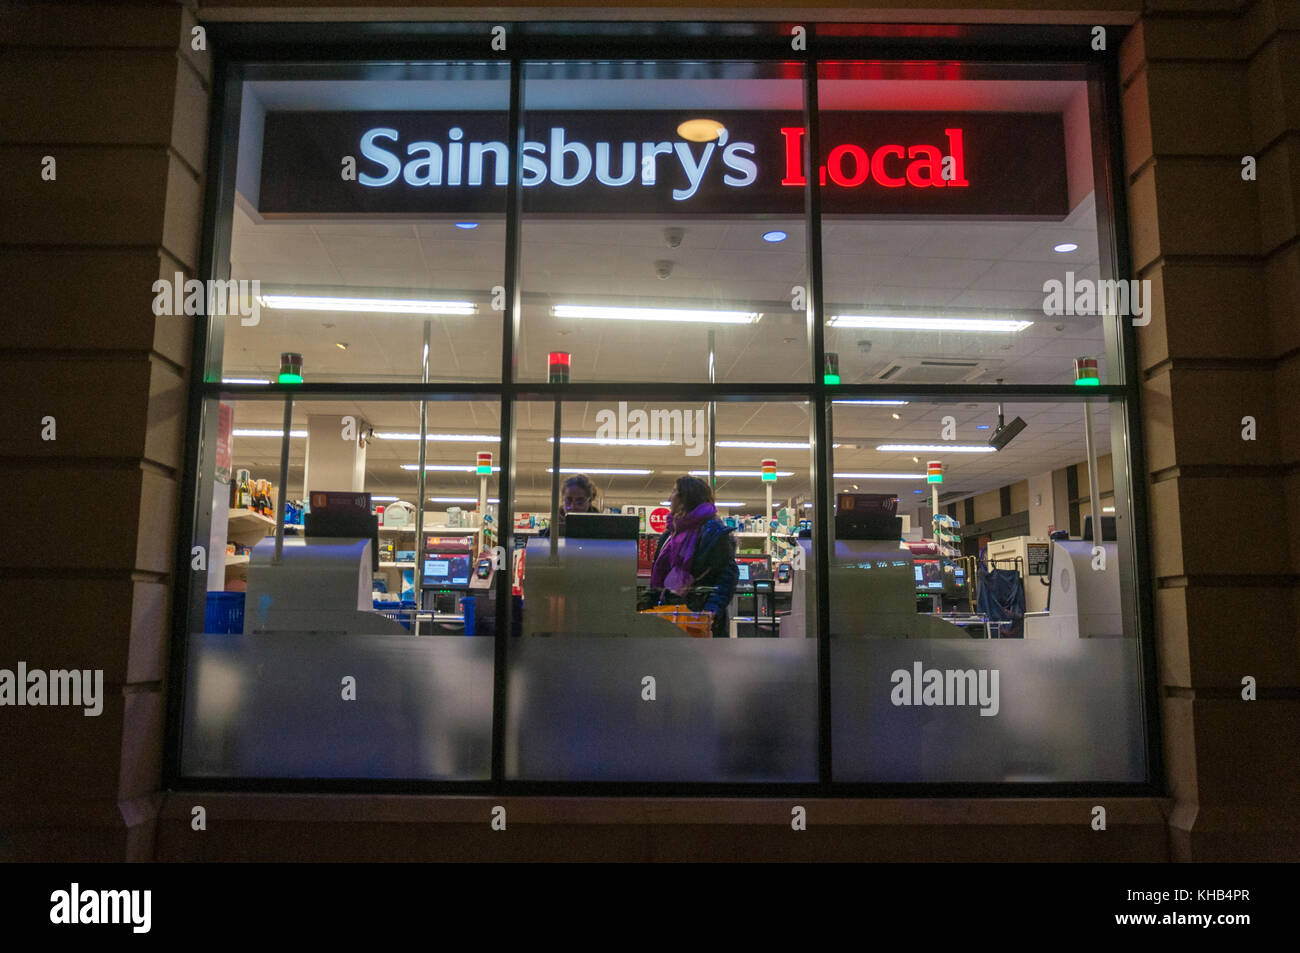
{"type": "Point", "coordinates": [672, 567]}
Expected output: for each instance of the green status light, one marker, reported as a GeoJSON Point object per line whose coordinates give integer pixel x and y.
{"type": "Point", "coordinates": [290, 368]}
{"type": "Point", "coordinates": [831, 372]}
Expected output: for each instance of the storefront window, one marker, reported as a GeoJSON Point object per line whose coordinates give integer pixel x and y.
{"type": "Point", "coordinates": [666, 614]}
{"type": "Point", "coordinates": [652, 249]}
{"type": "Point", "coordinates": [995, 642]}
{"type": "Point", "coordinates": [749, 432]}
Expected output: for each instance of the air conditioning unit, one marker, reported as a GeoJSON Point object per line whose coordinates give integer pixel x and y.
{"type": "Point", "coordinates": [935, 370]}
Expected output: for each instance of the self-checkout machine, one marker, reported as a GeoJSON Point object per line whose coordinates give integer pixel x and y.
{"type": "Point", "coordinates": [872, 580]}
{"type": "Point", "coordinates": [584, 583]}
{"type": "Point", "coordinates": [319, 582]}
{"type": "Point", "coordinates": [1083, 599]}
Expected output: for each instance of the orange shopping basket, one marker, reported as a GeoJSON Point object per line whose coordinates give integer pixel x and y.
{"type": "Point", "coordinates": [698, 625]}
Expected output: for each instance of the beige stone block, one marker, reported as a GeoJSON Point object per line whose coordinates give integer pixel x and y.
{"type": "Point", "coordinates": [101, 196]}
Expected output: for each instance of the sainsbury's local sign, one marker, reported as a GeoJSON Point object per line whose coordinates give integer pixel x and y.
{"type": "Point", "coordinates": [634, 163]}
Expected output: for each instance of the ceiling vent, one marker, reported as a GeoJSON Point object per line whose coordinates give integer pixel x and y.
{"type": "Point", "coordinates": [930, 370]}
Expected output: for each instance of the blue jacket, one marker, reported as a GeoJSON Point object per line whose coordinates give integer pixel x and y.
{"type": "Point", "coordinates": [714, 567]}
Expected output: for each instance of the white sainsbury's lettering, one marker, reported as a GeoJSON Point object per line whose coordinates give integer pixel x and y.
{"type": "Point", "coordinates": [459, 162]}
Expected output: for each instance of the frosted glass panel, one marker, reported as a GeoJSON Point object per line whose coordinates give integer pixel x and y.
{"type": "Point", "coordinates": [724, 710]}
{"type": "Point", "coordinates": [1066, 710]}
{"type": "Point", "coordinates": [271, 706]}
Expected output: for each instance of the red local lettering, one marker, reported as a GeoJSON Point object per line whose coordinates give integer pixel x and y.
{"type": "Point", "coordinates": [850, 165]}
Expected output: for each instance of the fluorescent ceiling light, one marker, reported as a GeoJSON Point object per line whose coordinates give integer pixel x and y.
{"type": "Point", "coordinates": [740, 473]}
{"type": "Point", "coordinates": [764, 444]}
{"type": "Point", "coordinates": [882, 403]}
{"type": "Point", "coordinates": [614, 441]}
{"type": "Point", "coordinates": [729, 503]}
{"type": "Point", "coordinates": [383, 499]}
{"type": "Point", "coordinates": [368, 305]}
{"type": "Point", "coordinates": [445, 437]}
{"type": "Point", "coordinates": [936, 448]}
{"type": "Point", "coordinates": [467, 225]}
{"type": "Point", "coordinates": [1065, 247]}
{"type": "Point", "coordinates": [267, 433]}
{"type": "Point", "coordinates": [879, 476]}
{"type": "Point", "coordinates": [665, 503]}
{"type": "Point", "coordinates": [776, 235]}
{"type": "Point", "coordinates": [807, 506]}
{"type": "Point", "coordinates": [694, 315]}
{"type": "Point", "coordinates": [244, 380]}
{"type": "Point", "coordinates": [896, 323]}
{"type": "Point", "coordinates": [447, 467]}
{"type": "Point", "coordinates": [460, 499]}
{"type": "Point", "coordinates": [605, 471]}
{"type": "Point", "coordinates": [1108, 509]}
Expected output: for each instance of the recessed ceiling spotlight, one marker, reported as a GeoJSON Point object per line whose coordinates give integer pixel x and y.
{"type": "Point", "coordinates": [341, 345]}
{"type": "Point", "coordinates": [701, 130]}
{"type": "Point", "coordinates": [467, 225]}
{"type": "Point", "coordinates": [896, 417]}
{"type": "Point", "coordinates": [1065, 247]}
{"type": "Point", "coordinates": [776, 235]}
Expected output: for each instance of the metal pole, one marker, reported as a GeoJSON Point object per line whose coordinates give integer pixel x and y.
{"type": "Point", "coordinates": [284, 479]}
{"type": "Point", "coordinates": [1094, 491]}
{"type": "Point", "coordinates": [713, 417]}
{"type": "Point", "coordinates": [555, 481]}
{"type": "Point", "coordinates": [420, 479]}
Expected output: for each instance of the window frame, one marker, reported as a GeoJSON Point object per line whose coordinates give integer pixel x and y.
{"type": "Point", "coordinates": [318, 50]}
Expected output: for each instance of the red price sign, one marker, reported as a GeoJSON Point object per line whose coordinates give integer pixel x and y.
{"type": "Point", "coordinates": [659, 518]}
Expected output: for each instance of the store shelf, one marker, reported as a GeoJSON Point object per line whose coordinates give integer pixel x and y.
{"type": "Point", "coordinates": [397, 529]}
{"type": "Point", "coordinates": [392, 565]}
{"type": "Point", "coordinates": [246, 527]}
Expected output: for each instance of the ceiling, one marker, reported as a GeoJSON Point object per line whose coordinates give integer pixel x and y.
{"type": "Point", "coordinates": [925, 267]}
{"type": "Point", "coordinates": [1053, 439]}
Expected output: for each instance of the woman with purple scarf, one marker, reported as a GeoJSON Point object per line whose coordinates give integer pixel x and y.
{"type": "Point", "coordinates": [695, 560]}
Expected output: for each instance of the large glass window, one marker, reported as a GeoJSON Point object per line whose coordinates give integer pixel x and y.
{"type": "Point", "coordinates": [991, 643]}
{"type": "Point", "coordinates": [666, 608]}
{"type": "Point", "coordinates": [618, 458]}
{"type": "Point", "coordinates": [652, 247]}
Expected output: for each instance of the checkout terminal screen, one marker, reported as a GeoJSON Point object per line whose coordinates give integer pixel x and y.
{"type": "Point", "coordinates": [744, 571]}
{"type": "Point", "coordinates": [439, 571]}
{"type": "Point", "coordinates": [928, 574]}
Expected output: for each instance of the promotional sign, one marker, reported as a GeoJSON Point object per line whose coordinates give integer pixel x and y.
{"type": "Point", "coordinates": [659, 519]}
{"type": "Point", "coordinates": [631, 162]}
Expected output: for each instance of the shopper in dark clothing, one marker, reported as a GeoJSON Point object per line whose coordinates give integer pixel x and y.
{"type": "Point", "coordinates": [695, 559]}
{"type": "Point", "coordinates": [577, 495]}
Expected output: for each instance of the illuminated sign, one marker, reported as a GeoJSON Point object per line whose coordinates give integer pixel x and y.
{"type": "Point", "coordinates": [634, 162]}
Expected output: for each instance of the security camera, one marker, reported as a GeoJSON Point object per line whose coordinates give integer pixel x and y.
{"type": "Point", "coordinates": [663, 269]}
{"type": "Point", "coordinates": [673, 237]}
